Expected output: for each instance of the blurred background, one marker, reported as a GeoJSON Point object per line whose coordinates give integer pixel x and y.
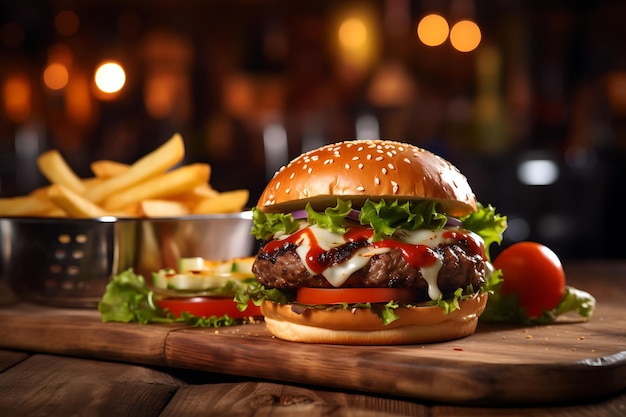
{"type": "Point", "coordinates": [527, 98]}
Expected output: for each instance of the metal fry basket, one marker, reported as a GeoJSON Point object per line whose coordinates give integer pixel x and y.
{"type": "Point", "coordinates": [68, 262]}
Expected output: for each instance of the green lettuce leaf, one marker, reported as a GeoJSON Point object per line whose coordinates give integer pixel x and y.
{"type": "Point", "coordinates": [266, 225]}
{"type": "Point", "coordinates": [503, 308]}
{"type": "Point", "coordinates": [128, 299]}
{"type": "Point", "coordinates": [486, 223]}
{"type": "Point", "coordinates": [386, 218]}
{"type": "Point", "coordinates": [332, 218]}
{"type": "Point", "coordinates": [257, 293]}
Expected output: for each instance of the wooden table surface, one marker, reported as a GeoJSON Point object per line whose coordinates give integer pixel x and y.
{"type": "Point", "coordinates": [41, 376]}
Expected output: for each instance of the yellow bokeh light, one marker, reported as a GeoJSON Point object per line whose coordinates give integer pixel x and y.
{"type": "Point", "coordinates": [465, 36]}
{"type": "Point", "coordinates": [353, 33]}
{"type": "Point", "coordinates": [55, 76]}
{"type": "Point", "coordinates": [110, 77]}
{"type": "Point", "coordinates": [433, 30]}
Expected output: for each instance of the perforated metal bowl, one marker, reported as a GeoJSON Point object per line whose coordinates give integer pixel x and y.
{"type": "Point", "coordinates": [68, 262]}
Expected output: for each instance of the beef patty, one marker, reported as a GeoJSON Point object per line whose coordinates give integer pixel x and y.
{"type": "Point", "coordinates": [461, 267]}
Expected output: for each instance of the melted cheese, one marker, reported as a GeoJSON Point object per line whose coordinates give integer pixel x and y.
{"type": "Point", "coordinates": [337, 274]}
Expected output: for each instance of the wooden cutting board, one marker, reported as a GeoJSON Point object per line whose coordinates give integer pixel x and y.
{"type": "Point", "coordinates": [499, 364]}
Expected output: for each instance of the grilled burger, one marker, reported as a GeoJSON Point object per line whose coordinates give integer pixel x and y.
{"type": "Point", "coordinates": [372, 242]}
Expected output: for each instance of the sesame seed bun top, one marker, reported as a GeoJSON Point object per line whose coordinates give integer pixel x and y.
{"type": "Point", "coordinates": [362, 169]}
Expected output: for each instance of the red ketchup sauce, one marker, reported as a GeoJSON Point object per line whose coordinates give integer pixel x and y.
{"type": "Point", "coordinates": [356, 237]}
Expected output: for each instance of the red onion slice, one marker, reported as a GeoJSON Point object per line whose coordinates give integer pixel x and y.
{"type": "Point", "coordinates": [454, 222]}
{"type": "Point", "coordinates": [299, 214]}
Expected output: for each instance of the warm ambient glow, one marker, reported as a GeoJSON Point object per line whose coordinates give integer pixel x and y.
{"type": "Point", "coordinates": [55, 76]}
{"type": "Point", "coordinates": [110, 77]}
{"type": "Point", "coordinates": [17, 97]}
{"type": "Point", "coordinates": [66, 23]}
{"type": "Point", "coordinates": [352, 33]}
{"type": "Point", "coordinates": [465, 36]}
{"type": "Point", "coordinates": [432, 30]}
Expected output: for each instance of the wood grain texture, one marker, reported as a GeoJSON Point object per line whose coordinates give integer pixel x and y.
{"type": "Point", "coordinates": [264, 399]}
{"type": "Point", "coordinates": [11, 358]}
{"type": "Point", "coordinates": [80, 332]}
{"type": "Point", "coordinates": [612, 407]}
{"type": "Point", "coordinates": [497, 365]}
{"type": "Point", "coordinates": [60, 386]}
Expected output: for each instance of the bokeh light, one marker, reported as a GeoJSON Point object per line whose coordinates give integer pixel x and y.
{"type": "Point", "coordinates": [352, 33]}
{"type": "Point", "coordinates": [110, 77]}
{"type": "Point", "coordinates": [465, 36]}
{"type": "Point", "coordinates": [432, 30]}
{"type": "Point", "coordinates": [55, 76]}
{"type": "Point", "coordinates": [17, 97]}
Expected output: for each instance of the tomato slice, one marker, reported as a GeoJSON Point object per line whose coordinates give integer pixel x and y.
{"type": "Point", "coordinates": [308, 295]}
{"type": "Point", "coordinates": [207, 307]}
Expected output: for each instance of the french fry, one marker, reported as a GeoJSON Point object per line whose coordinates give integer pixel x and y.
{"type": "Point", "coordinates": [73, 204]}
{"type": "Point", "coordinates": [154, 163]}
{"type": "Point", "coordinates": [193, 197]}
{"type": "Point", "coordinates": [162, 208]}
{"type": "Point", "coordinates": [57, 171]}
{"type": "Point", "coordinates": [148, 188]}
{"type": "Point", "coordinates": [105, 168]}
{"type": "Point", "coordinates": [225, 202]}
{"type": "Point", "coordinates": [174, 182]}
{"type": "Point", "coordinates": [31, 205]}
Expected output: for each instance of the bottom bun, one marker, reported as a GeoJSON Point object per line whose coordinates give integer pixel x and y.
{"type": "Point", "coordinates": [362, 327]}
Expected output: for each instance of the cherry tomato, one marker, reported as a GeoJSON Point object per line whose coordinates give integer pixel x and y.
{"type": "Point", "coordinates": [207, 307]}
{"type": "Point", "coordinates": [533, 272]}
{"type": "Point", "coordinates": [308, 295]}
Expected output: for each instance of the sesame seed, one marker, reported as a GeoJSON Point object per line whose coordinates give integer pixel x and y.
{"type": "Point", "coordinates": [305, 192]}
{"type": "Point", "coordinates": [288, 190]}
{"type": "Point", "coordinates": [315, 157]}
{"type": "Point", "coordinates": [347, 166]}
{"type": "Point", "coordinates": [360, 188]}
{"type": "Point", "coordinates": [384, 170]}
{"type": "Point", "coordinates": [278, 185]}
{"type": "Point", "coordinates": [293, 174]}
{"type": "Point", "coordinates": [360, 148]}
{"type": "Point", "coordinates": [328, 161]}
{"type": "Point", "coordinates": [355, 158]}
{"type": "Point", "coordinates": [401, 148]}
{"type": "Point", "coordinates": [395, 186]}
{"type": "Point", "coordinates": [379, 158]}
{"type": "Point", "coordinates": [376, 180]}
{"type": "Point", "coordinates": [310, 170]}
{"type": "Point", "coordinates": [360, 166]}
{"type": "Point", "coordinates": [391, 166]}
{"type": "Point", "coordinates": [336, 153]}
{"type": "Point", "coordinates": [305, 166]}
{"type": "Point", "coordinates": [369, 156]}
{"type": "Point", "coordinates": [390, 154]}
{"type": "Point", "coordinates": [407, 160]}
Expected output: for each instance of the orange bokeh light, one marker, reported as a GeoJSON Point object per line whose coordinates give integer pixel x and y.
{"type": "Point", "coordinates": [432, 30]}
{"type": "Point", "coordinates": [465, 36]}
{"type": "Point", "coordinates": [55, 76]}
